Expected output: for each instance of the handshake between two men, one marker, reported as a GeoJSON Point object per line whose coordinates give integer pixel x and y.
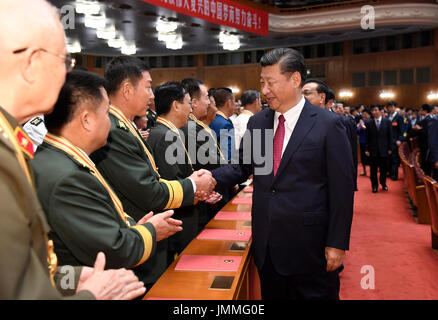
{"type": "Point", "coordinates": [165, 226]}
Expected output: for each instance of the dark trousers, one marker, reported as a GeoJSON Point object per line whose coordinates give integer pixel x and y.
{"type": "Point", "coordinates": [394, 160]}
{"type": "Point", "coordinates": [378, 163]}
{"type": "Point", "coordinates": [318, 286]}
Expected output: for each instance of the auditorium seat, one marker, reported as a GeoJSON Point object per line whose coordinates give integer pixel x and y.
{"type": "Point", "coordinates": [414, 183]}
{"type": "Point", "coordinates": [420, 190]}
{"type": "Point", "coordinates": [432, 200]}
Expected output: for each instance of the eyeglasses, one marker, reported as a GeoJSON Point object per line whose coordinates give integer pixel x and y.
{"type": "Point", "coordinates": [68, 60]}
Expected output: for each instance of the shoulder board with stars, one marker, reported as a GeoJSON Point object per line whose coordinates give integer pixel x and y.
{"type": "Point", "coordinates": [37, 121]}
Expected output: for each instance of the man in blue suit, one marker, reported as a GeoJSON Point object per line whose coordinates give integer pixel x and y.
{"type": "Point", "coordinates": [303, 185]}
{"type": "Point", "coordinates": [222, 125]}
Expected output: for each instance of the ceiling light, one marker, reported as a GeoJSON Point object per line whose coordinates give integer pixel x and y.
{"type": "Point", "coordinates": [95, 22]}
{"type": "Point", "coordinates": [106, 33]}
{"type": "Point", "coordinates": [74, 47]}
{"type": "Point", "coordinates": [229, 42]}
{"type": "Point", "coordinates": [116, 42]}
{"type": "Point", "coordinates": [175, 44]}
{"type": "Point", "coordinates": [129, 49]}
{"type": "Point", "coordinates": [167, 37]}
{"type": "Point", "coordinates": [165, 26]}
{"type": "Point", "coordinates": [87, 7]}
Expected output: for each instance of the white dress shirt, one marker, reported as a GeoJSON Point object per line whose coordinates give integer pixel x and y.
{"type": "Point", "coordinates": [240, 125]}
{"type": "Point", "coordinates": [291, 118]}
{"type": "Point", "coordinates": [36, 130]}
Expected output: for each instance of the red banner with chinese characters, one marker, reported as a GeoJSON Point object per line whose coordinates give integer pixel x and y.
{"type": "Point", "coordinates": [223, 12]}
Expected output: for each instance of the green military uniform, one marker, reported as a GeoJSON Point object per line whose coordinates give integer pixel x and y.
{"type": "Point", "coordinates": [129, 167]}
{"type": "Point", "coordinates": [82, 214]}
{"type": "Point", "coordinates": [162, 136]}
{"type": "Point", "coordinates": [24, 268]}
{"type": "Point", "coordinates": [193, 136]}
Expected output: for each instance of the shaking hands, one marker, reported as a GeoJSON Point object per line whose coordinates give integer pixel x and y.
{"type": "Point", "coordinates": [205, 184]}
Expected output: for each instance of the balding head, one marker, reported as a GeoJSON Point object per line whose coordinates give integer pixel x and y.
{"type": "Point", "coordinates": [31, 78]}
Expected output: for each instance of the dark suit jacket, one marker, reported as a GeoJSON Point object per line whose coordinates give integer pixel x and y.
{"type": "Point", "coordinates": [308, 205]}
{"type": "Point", "coordinates": [378, 141]}
{"type": "Point", "coordinates": [160, 139]}
{"type": "Point", "coordinates": [205, 145]}
{"type": "Point", "coordinates": [397, 129]}
{"type": "Point", "coordinates": [433, 140]}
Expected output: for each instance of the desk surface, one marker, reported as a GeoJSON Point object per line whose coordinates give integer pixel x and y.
{"type": "Point", "coordinates": [196, 284]}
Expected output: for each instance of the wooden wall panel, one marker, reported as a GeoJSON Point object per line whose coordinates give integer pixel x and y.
{"type": "Point", "coordinates": [339, 71]}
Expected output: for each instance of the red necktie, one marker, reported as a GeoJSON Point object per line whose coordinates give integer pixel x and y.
{"type": "Point", "coordinates": [278, 143]}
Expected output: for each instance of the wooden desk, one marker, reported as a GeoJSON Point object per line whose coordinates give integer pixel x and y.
{"type": "Point", "coordinates": [196, 284]}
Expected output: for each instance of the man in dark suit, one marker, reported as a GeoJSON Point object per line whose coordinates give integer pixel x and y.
{"type": "Point", "coordinates": [378, 146]}
{"type": "Point", "coordinates": [303, 188]}
{"type": "Point", "coordinates": [433, 146]}
{"type": "Point", "coordinates": [222, 125]}
{"type": "Point", "coordinates": [420, 131]}
{"type": "Point", "coordinates": [397, 123]}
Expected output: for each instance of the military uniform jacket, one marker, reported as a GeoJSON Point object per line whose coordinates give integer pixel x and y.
{"type": "Point", "coordinates": [83, 217]}
{"type": "Point", "coordinates": [24, 270]}
{"type": "Point", "coordinates": [125, 165]}
{"type": "Point", "coordinates": [160, 145]}
{"type": "Point", "coordinates": [205, 145]}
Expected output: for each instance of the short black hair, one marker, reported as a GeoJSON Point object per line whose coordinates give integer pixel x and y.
{"type": "Point", "coordinates": [330, 94]}
{"type": "Point", "coordinates": [426, 107]}
{"type": "Point", "coordinates": [193, 87]}
{"type": "Point", "coordinates": [392, 104]}
{"type": "Point", "coordinates": [211, 92]}
{"type": "Point", "coordinates": [249, 96]}
{"type": "Point", "coordinates": [290, 61]}
{"type": "Point", "coordinates": [321, 88]}
{"type": "Point", "coordinates": [166, 94]}
{"type": "Point", "coordinates": [79, 87]}
{"type": "Point", "coordinates": [378, 106]}
{"type": "Point", "coordinates": [123, 68]}
{"type": "Point", "coordinates": [222, 95]}
{"type": "Point", "coordinates": [367, 110]}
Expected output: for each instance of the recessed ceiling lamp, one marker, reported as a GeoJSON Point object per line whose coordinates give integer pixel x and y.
{"type": "Point", "coordinates": [117, 42]}
{"type": "Point", "coordinates": [175, 44]}
{"type": "Point", "coordinates": [87, 7]}
{"type": "Point", "coordinates": [165, 26]}
{"type": "Point", "coordinates": [167, 37]}
{"type": "Point", "coordinates": [106, 33]}
{"type": "Point", "coordinates": [129, 49]}
{"type": "Point", "coordinates": [73, 46]}
{"type": "Point", "coordinates": [229, 42]}
{"type": "Point", "coordinates": [95, 22]}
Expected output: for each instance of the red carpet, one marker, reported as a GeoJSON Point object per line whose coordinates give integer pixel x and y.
{"type": "Point", "coordinates": [384, 235]}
